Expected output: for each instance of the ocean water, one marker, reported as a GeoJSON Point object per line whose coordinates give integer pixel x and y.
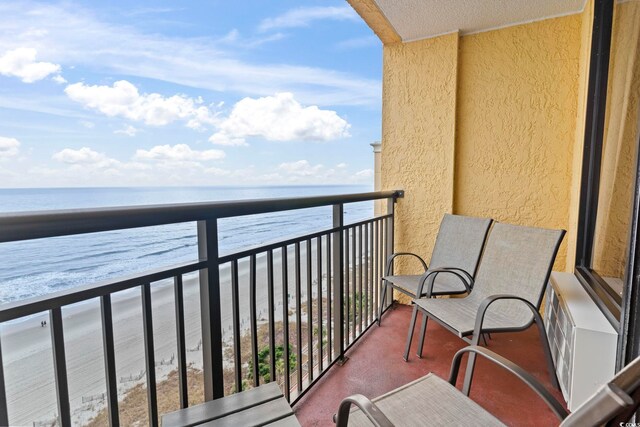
{"type": "Point", "coordinates": [38, 267]}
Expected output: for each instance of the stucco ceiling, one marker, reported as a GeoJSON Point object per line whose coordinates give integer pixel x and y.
{"type": "Point", "coordinates": [420, 19]}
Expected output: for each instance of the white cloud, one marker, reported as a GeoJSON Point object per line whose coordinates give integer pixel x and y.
{"type": "Point", "coordinates": [179, 152]}
{"type": "Point", "coordinates": [170, 166]}
{"type": "Point", "coordinates": [161, 165]}
{"type": "Point", "coordinates": [83, 156]}
{"type": "Point", "coordinates": [300, 168]}
{"type": "Point", "coordinates": [75, 36]}
{"type": "Point", "coordinates": [224, 139]}
{"type": "Point", "coordinates": [161, 155]}
{"type": "Point", "coordinates": [87, 124]}
{"type": "Point", "coordinates": [127, 130]}
{"type": "Point", "coordinates": [9, 147]}
{"type": "Point", "coordinates": [303, 16]}
{"type": "Point", "coordinates": [279, 118]}
{"type": "Point", "coordinates": [122, 99]}
{"type": "Point", "coordinates": [365, 173]}
{"type": "Point", "coordinates": [235, 39]}
{"type": "Point", "coordinates": [59, 79]}
{"type": "Point", "coordinates": [304, 172]}
{"type": "Point", "coordinates": [217, 172]}
{"type": "Point", "coordinates": [21, 63]}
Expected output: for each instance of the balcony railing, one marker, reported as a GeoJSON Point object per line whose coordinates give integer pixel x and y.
{"type": "Point", "coordinates": [333, 275]}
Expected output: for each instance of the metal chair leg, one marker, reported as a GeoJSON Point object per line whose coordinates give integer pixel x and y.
{"type": "Point", "coordinates": [423, 332]}
{"type": "Point", "coordinates": [547, 350]}
{"type": "Point", "coordinates": [412, 324]}
{"type": "Point", "coordinates": [471, 363]}
{"type": "Point", "coordinates": [484, 339]}
{"type": "Point", "coordinates": [383, 283]}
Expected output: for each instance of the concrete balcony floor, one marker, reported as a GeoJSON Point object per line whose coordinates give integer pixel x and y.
{"type": "Point", "coordinates": [375, 366]}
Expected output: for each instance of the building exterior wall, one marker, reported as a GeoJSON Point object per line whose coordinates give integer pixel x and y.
{"type": "Point", "coordinates": [418, 137]}
{"type": "Point", "coordinates": [489, 124]}
{"type": "Point", "coordinates": [516, 118]}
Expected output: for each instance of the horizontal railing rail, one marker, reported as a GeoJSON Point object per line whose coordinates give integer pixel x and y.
{"type": "Point", "coordinates": [28, 306]}
{"type": "Point", "coordinates": [319, 293]}
{"type": "Point", "coordinates": [29, 225]}
{"type": "Point", "coordinates": [275, 245]}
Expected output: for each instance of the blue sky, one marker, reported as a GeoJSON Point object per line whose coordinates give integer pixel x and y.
{"type": "Point", "coordinates": [141, 93]}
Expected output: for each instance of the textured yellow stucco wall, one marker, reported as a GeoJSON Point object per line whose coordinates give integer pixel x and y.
{"type": "Point", "coordinates": [516, 120]}
{"type": "Point", "coordinates": [418, 136]}
{"type": "Point", "coordinates": [620, 142]}
{"type": "Point", "coordinates": [489, 124]}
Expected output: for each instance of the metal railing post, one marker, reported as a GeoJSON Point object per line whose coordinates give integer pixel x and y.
{"type": "Point", "coordinates": [4, 414]}
{"type": "Point", "coordinates": [338, 282]}
{"type": "Point", "coordinates": [210, 309]}
{"type": "Point", "coordinates": [108, 345]}
{"type": "Point", "coordinates": [389, 241]}
{"type": "Point", "coordinates": [60, 366]}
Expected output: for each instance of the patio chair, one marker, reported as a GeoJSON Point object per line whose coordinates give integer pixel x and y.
{"type": "Point", "coordinates": [453, 262]}
{"type": "Point", "coordinates": [507, 293]}
{"type": "Point", "coordinates": [431, 401]}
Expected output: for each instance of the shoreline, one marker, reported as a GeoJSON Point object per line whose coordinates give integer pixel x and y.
{"type": "Point", "coordinates": [28, 360]}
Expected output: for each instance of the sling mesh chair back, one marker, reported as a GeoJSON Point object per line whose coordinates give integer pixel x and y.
{"type": "Point", "coordinates": [453, 262]}
{"type": "Point", "coordinates": [509, 285]}
{"type": "Point", "coordinates": [517, 261]}
{"type": "Point", "coordinates": [432, 401]}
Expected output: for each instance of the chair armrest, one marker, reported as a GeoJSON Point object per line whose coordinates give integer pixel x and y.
{"type": "Point", "coordinates": [464, 273]}
{"type": "Point", "coordinates": [484, 305]}
{"type": "Point", "coordinates": [434, 273]}
{"type": "Point", "coordinates": [367, 407]}
{"type": "Point", "coordinates": [397, 254]}
{"type": "Point", "coordinates": [516, 370]}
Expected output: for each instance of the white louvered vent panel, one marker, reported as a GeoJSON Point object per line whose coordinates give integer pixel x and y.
{"type": "Point", "coordinates": [582, 341]}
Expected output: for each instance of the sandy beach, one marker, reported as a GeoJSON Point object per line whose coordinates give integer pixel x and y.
{"type": "Point", "coordinates": [27, 352]}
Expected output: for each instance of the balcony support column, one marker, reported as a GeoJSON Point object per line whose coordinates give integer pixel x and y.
{"type": "Point", "coordinates": [378, 205]}
{"type": "Point", "coordinates": [210, 309]}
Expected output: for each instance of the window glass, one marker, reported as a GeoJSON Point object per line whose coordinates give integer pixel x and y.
{"type": "Point", "coordinates": [619, 149]}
